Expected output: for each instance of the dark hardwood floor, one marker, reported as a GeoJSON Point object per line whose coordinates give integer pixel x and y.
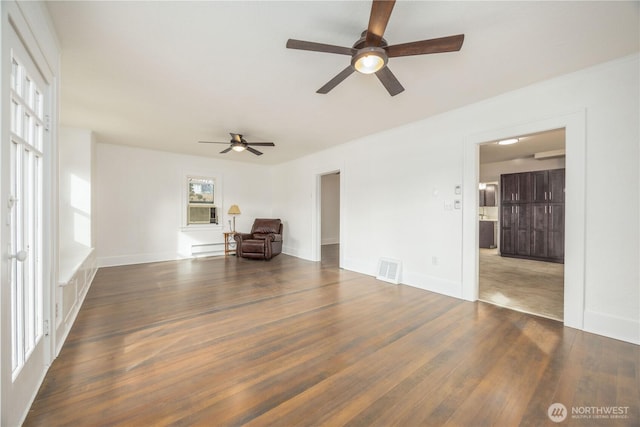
{"type": "Point", "coordinates": [226, 341]}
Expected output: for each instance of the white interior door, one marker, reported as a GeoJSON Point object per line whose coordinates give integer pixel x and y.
{"type": "Point", "coordinates": [24, 300]}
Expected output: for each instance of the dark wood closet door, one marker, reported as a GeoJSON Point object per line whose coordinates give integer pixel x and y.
{"type": "Point", "coordinates": [539, 230]}
{"type": "Point", "coordinates": [556, 232]}
{"type": "Point", "coordinates": [523, 230]}
{"type": "Point", "coordinates": [508, 230]}
{"type": "Point", "coordinates": [508, 188]}
{"type": "Point", "coordinates": [539, 183]}
{"type": "Point", "coordinates": [556, 186]}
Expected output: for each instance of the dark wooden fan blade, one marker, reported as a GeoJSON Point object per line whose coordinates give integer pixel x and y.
{"type": "Point", "coordinates": [389, 81]}
{"type": "Point", "coordinates": [380, 14]}
{"type": "Point", "coordinates": [262, 144]}
{"type": "Point", "coordinates": [212, 142]}
{"type": "Point", "coordinates": [336, 80]}
{"type": "Point", "coordinates": [319, 47]}
{"type": "Point", "coordinates": [443, 44]}
{"type": "Point", "coordinates": [225, 150]}
{"type": "Point", "coordinates": [254, 151]}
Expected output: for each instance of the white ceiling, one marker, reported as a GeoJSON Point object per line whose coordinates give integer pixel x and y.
{"type": "Point", "coordinates": [163, 75]}
{"type": "Point", "coordinates": [542, 143]}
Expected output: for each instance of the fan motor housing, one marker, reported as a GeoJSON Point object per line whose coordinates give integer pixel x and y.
{"type": "Point", "coordinates": [360, 43]}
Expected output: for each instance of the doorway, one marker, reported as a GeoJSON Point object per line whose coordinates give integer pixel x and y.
{"type": "Point", "coordinates": [531, 280]}
{"type": "Point", "coordinates": [330, 219]}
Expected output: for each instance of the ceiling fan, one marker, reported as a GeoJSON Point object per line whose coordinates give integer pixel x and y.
{"type": "Point", "coordinates": [238, 143]}
{"type": "Point", "coordinates": [370, 53]}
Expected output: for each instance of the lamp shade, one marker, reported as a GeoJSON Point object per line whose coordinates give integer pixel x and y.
{"type": "Point", "coordinates": [234, 210]}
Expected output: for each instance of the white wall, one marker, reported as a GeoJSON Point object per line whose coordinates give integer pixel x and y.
{"type": "Point", "coordinates": [330, 209]}
{"type": "Point", "coordinates": [139, 208]}
{"type": "Point", "coordinates": [387, 197]}
{"type": "Point", "coordinates": [396, 204]}
{"type": "Point", "coordinates": [76, 264]}
{"type": "Point", "coordinates": [75, 158]}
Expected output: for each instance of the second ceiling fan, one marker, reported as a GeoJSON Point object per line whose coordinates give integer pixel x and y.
{"type": "Point", "coordinates": [371, 53]}
{"type": "Point", "coordinates": [238, 143]}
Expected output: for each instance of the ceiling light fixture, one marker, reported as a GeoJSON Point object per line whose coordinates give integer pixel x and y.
{"type": "Point", "coordinates": [508, 141]}
{"type": "Point", "coordinates": [238, 146]}
{"type": "Point", "coordinates": [368, 60]}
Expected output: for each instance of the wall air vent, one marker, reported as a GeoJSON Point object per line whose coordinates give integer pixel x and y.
{"type": "Point", "coordinates": [389, 270]}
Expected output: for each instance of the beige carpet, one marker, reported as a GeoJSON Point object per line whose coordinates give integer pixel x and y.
{"type": "Point", "coordinates": [535, 287]}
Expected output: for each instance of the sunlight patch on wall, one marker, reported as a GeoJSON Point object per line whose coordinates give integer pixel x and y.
{"type": "Point", "coordinates": [80, 198]}
{"type": "Point", "coordinates": [80, 194]}
{"type": "Point", "coordinates": [82, 229]}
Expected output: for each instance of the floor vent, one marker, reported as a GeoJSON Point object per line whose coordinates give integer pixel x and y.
{"type": "Point", "coordinates": [389, 270]}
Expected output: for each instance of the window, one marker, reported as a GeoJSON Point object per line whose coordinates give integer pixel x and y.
{"type": "Point", "coordinates": [201, 208]}
{"type": "Point", "coordinates": [26, 220]}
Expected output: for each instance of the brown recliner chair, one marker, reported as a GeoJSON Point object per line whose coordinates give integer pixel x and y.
{"type": "Point", "coordinates": [264, 241]}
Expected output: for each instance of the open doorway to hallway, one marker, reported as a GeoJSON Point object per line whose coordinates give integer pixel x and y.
{"type": "Point", "coordinates": [521, 223]}
{"type": "Point", "coordinates": [330, 219]}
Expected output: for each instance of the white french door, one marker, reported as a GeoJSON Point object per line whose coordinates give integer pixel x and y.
{"type": "Point", "coordinates": [25, 298]}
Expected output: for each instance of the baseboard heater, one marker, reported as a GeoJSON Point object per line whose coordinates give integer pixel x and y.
{"type": "Point", "coordinates": [207, 249]}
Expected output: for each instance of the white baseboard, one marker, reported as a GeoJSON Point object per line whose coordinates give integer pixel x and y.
{"type": "Point", "coordinates": [619, 328]}
{"type": "Point", "coordinates": [427, 283]}
{"type": "Point", "coordinates": [433, 284]}
{"type": "Point", "coordinates": [288, 250]}
{"type": "Point", "coordinates": [114, 261]}
{"type": "Point", "coordinates": [361, 266]}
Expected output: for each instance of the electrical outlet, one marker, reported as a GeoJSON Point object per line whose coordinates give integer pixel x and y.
{"type": "Point", "coordinates": [434, 260]}
{"type": "Point", "coordinates": [448, 205]}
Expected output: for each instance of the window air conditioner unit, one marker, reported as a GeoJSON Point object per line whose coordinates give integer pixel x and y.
{"type": "Point", "coordinates": [199, 214]}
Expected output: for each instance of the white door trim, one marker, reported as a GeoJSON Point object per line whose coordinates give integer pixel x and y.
{"type": "Point", "coordinates": [575, 202]}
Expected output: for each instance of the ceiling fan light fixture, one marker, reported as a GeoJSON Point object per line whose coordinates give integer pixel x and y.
{"type": "Point", "coordinates": [238, 147]}
{"type": "Point", "coordinates": [369, 60]}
